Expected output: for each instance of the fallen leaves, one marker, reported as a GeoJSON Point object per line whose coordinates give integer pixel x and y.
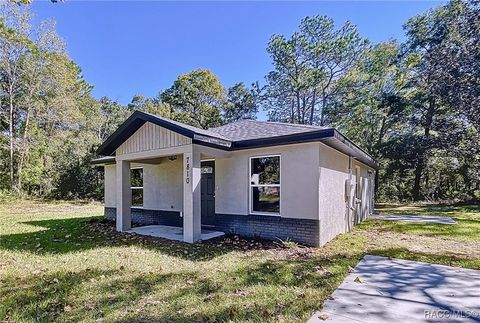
{"type": "Point", "coordinates": [323, 317]}
{"type": "Point", "coordinates": [233, 313]}
{"type": "Point", "coordinates": [322, 271]}
{"type": "Point", "coordinates": [241, 293]}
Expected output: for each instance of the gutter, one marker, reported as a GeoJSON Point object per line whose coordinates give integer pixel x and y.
{"type": "Point", "coordinates": [102, 161]}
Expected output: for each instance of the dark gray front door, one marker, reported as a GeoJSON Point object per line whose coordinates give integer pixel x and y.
{"type": "Point", "coordinates": [208, 192]}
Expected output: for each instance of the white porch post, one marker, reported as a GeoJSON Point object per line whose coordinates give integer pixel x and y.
{"type": "Point", "coordinates": [124, 195]}
{"type": "Point", "coordinates": [192, 222]}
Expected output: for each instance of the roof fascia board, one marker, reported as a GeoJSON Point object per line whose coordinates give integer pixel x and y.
{"type": "Point", "coordinates": [119, 135]}
{"type": "Point", "coordinates": [212, 141]}
{"type": "Point", "coordinates": [357, 151]}
{"type": "Point", "coordinates": [283, 140]}
{"type": "Point", "coordinates": [138, 119]}
{"type": "Point", "coordinates": [103, 161]}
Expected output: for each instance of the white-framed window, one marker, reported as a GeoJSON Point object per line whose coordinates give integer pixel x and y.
{"type": "Point", "coordinates": [264, 187]}
{"type": "Point", "coordinates": [136, 185]}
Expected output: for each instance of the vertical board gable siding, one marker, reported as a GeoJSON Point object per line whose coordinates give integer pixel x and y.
{"type": "Point", "coordinates": [150, 137]}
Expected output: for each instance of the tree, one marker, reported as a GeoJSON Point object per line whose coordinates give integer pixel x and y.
{"type": "Point", "coordinates": [460, 85]}
{"type": "Point", "coordinates": [45, 103]}
{"type": "Point", "coordinates": [150, 105]}
{"type": "Point", "coordinates": [333, 53]}
{"type": "Point", "coordinates": [242, 103]}
{"type": "Point", "coordinates": [110, 114]}
{"type": "Point", "coordinates": [377, 103]}
{"type": "Point", "coordinates": [289, 86]}
{"type": "Point", "coordinates": [196, 98]}
{"type": "Point", "coordinates": [14, 46]}
{"type": "Point", "coordinates": [428, 36]}
{"type": "Point", "coordinates": [308, 69]}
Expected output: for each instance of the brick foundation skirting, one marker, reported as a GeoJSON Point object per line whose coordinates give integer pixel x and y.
{"type": "Point", "coordinates": [149, 217]}
{"type": "Point", "coordinates": [304, 231]}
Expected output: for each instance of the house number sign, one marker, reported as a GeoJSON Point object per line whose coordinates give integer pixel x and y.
{"type": "Point", "coordinates": [187, 169]}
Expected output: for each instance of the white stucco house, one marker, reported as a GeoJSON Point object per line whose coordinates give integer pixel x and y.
{"type": "Point", "coordinates": [252, 178]}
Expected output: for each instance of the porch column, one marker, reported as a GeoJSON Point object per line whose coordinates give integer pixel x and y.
{"type": "Point", "coordinates": [192, 221]}
{"type": "Point", "coordinates": [124, 195]}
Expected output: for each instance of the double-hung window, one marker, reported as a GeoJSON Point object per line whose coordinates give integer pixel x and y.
{"type": "Point", "coordinates": [136, 181]}
{"type": "Point", "coordinates": [265, 185]}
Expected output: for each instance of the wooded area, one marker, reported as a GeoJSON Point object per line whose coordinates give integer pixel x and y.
{"type": "Point", "coordinates": [414, 106]}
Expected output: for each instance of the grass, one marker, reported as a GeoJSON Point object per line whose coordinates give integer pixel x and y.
{"type": "Point", "coordinates": [467, 217]}
{"type": "Point", "coordinates": [60, 261]}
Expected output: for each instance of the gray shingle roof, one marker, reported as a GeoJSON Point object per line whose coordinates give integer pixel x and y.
{"type": "Point", "coordinates": [199, 131]}
{"type": "Point", "coordinates": [252, 129]}
{"type": "Point", "coordinates": [244, 134]}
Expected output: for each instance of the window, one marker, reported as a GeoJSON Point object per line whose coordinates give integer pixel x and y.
{"type": "Point", "coordinates": [265, 185]}
{"type": "Point", "coordinates": [207, 170]}
{"type": "Point", "coordinates": [136, 183]}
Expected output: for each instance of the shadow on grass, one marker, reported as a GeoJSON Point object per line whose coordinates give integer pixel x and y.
{"type": "Point", "coordinates": [59, 236]}
{"type": "Point", "coordinates": [268, 290]}
{"type": "Point", "coordinates": [41, 297]}
{"type": "Point", "coordinates": [88, 294]}
{"type": "Point", "coordinates": [265, 290]}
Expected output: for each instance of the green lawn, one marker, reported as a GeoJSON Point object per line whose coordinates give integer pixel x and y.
{"type": "Point", "coordinates": [61, 262]}
{"type": "Point", "coordinates": [467, 217]}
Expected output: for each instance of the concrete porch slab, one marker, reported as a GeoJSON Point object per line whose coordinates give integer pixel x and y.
{"type": "Point", "coordinates": [394, 290]}
{"type": "Point", "coordinates": [171, 233]}
{"type": "Point", "coordinates": [413, 218]}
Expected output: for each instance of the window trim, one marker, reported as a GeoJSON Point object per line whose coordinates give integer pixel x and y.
{"type": "Point", "coordinates": [137, 188]}
{"type": "Point", "coordinates": [250, 186]}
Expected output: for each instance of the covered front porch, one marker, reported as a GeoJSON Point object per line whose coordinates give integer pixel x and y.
{"type": "Point", "coordinates": [176, 192]}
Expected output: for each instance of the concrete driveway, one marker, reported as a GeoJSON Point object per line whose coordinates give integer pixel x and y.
{"type": "Point", "coordinates": [393, 290]}
{"type": "Point", "coordinates": [413, 218]}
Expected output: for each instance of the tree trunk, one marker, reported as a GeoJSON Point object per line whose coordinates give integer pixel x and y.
{"type": "Point", "coordinates": [24, 151]}
{"type": "Point", "coordinates": [312, 110]}
{"type": "Point", "coordinates": [416, 184]}
{"type": "Point", "coordinates": [10, 136]}
{"type": "Point", "coordinates": [322, 115]}
{"type": "Point", "coordinates": [423, 150]}
{"type": "Point", "coordinates": [304, 105]}
{"type": "Point", "coordinates": [292, 112]}
{"type": "Point", "coordinates": [381, 132]}
{"type": "Point", "coordinates": [298, 107]}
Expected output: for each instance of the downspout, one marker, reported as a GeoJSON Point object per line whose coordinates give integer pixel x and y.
{"type": "Point", "coordinates": [349, 193]}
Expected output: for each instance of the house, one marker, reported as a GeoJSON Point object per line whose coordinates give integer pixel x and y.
{"type": "Point", "coordinates": [253, 178]}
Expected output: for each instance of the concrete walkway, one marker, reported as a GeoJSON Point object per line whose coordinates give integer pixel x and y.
{"type": "Point", "coordinates": [171, 233]}
{"type": "Point", "coordinates": [413, 218]}
{"type": "Point", "coordinates": [392, 290]}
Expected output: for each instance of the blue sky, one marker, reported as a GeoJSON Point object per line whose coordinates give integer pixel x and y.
{"type": "Point", "coordinates": [127, 48]}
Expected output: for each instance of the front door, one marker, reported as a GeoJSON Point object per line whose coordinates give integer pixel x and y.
{"type": "Point", "coordinates": [208, 192]}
